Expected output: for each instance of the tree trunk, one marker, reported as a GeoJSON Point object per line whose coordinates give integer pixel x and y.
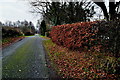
{"type": "Point", "coordinates": [103, 7]}
{"type": "Point", "coordinates": [112, 9]}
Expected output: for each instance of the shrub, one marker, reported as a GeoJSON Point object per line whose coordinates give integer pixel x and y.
{"type": "Point", "coordinates": [43, 28]}
{"type": "Point", "coordinates": [28, 33]}
{"type": "Point", "coordinates": [75, 36]}
{"type": "Point", "coordinates": [103, 36]}
{"type": "Point", "coordinates": [11, 32]}
{"type": "Point", "coordinates": [109, 36]}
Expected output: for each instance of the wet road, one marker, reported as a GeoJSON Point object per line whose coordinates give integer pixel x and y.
{"type": "Point", "coordinates": [25, 59]}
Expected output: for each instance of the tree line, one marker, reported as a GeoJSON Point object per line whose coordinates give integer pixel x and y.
{"type": "Point", "coordinates": [64, 12]}
{"type": "Point", "coordinates": [57, 13]}
{"type": "Point", "coordinates": [19, 27]}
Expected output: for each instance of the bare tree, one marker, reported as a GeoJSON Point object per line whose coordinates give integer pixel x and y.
{"type": "Point", "coordinates": [112, 8]}
{"type": "Point", "coordinates": [63, 12]}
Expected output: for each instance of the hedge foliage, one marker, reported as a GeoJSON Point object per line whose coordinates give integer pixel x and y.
{"type": "Point", "coordinates": [98, 35]}
{"type": "Point", "coordinates": [75, 36]}
{"type": "Point", "coordinates": [109, 36]}
{"type": "Point", "coordinates": [11, 32]}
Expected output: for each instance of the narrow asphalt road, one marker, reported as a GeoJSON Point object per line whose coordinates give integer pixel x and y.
{"type": "Point", "coordinates": [25, 59]}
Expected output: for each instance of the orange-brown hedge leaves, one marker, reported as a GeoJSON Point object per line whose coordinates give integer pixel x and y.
{"type": "Point", "coordinates": [75, 36]}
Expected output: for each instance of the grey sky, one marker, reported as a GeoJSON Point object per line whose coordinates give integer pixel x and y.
{"type": "Point", "coordinates": [14, 10]}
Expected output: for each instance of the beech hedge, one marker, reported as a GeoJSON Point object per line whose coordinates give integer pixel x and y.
{"type": "Point", "coordinates": [75, 36]}
{"type": "Point", "coordinates": [102, 36]}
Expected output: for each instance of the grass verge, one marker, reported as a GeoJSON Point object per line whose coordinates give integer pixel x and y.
{"type": "Point", "coordinates": [10, 40]}
{"type": "Point", "coordinates": [44, 37]}
{"type": "Point", "coordinates": [82, 65]}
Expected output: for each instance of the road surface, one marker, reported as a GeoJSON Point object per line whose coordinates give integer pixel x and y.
{"type": "Point", "coordinates": [25, 59]}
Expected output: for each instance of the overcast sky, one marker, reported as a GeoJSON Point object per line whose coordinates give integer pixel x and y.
{"type": "Point", "coordinates": [14, 10]}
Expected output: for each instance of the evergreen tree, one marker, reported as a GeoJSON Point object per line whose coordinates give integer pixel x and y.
{"type": "Point", "coordinates": [43, 28]}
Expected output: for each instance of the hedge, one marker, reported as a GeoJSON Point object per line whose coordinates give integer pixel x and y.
{"type": "Point", "coordinates": [102, 36]}
{"type": "Point", "coordinates": [109, 36]}
{"type": "Point", "coordinates": [75, 36]}
{"type": "Point", "coordinates": [11, 32]}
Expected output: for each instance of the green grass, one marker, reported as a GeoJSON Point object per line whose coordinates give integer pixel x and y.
{"type": "Point", "coordinates": [5, 40]}
{"type": "Point", "coordinates": [42, 36]}
{"type": "Point", "coordinates": [49, 44]}
{"type": "Point", "coordinates": [45, 37]}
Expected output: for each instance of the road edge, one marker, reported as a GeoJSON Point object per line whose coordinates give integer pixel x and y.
{"type": "Point", "coordinates": [52, 73]}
